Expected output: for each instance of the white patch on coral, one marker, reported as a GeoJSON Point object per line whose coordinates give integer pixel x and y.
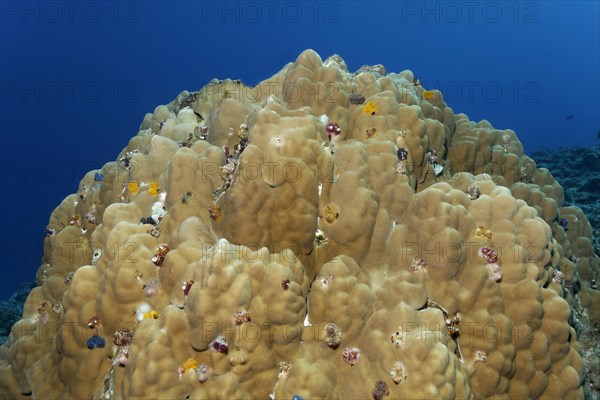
{"type": "Point", "coordinates": [495, 272]}
{"type": "Point", "coordinates": [324, 119]}
{"type": "Point", "coordinates": [158, 211]}
{"type": "Point", "coordinates": [401, 168]}
{"type": "Point", "coordinates": [159, 208]}
{"type": "Point", "coordinates": [278, 141]}
{"type": "Point", "coordinates": [221, 247]}
{"type": "Point", "coordinates": [306, 321]}
{"type": "Point", "coordinates": [336, 177]}
{"type": "Point", "coordinates": [398, 372]}
{"type": "Point", "coordinates": [319, 235]}
{"type": "Point", "coordinates": [96, 256]}
{"type": "Point", "coordinates": [186, 114]}
{"type": "Point", "coordinates": [399, 338]}
{"type": "Point", "coordinates": [221, 244]}
{"type": "Point", "coordinates": [141, 310]}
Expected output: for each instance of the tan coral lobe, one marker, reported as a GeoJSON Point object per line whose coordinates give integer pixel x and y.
{"type": "Point", "coordinates": [365, 242]}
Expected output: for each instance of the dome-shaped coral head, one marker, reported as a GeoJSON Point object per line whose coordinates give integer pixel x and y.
{"type": "Point", "coordinates": [332, 129]}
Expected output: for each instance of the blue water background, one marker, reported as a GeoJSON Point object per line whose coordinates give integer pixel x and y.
{"type": "Point", "coordinates": [78, 77]}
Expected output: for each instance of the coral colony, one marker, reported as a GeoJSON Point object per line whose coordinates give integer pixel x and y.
{"type": "Point", "coordinates": [248, 243]}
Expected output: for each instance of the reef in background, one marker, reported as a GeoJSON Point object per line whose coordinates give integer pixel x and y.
{"type": "Point", "coordinates": [578, 171]}
{"type": "Point", "coordinates": [11, 310]}
{"type": "Point", "coordinates": [325, 234]}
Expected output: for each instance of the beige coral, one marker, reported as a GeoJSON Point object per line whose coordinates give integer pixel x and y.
{"type": "Point", "coordinates": [292, 263]}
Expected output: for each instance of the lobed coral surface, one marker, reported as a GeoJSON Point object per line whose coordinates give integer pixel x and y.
{"type": "Point", "coordinates": [324, 234]}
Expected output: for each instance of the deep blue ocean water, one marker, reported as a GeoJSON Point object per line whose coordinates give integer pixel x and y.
{"type": "Point", "coordinates": [76, 78]}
